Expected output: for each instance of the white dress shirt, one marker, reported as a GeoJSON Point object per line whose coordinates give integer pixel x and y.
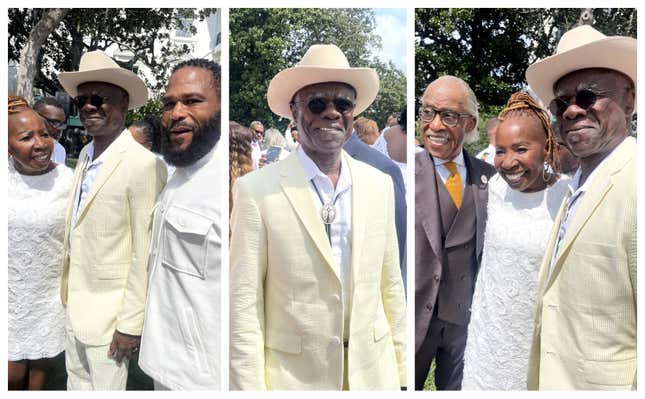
{"type": "Point", "coordinates": [180, 343]}
{"type": "Point", "coordinates": [59, 154]}
{"type": "Point", "coordinates": [444, 173]}
{"type": "Point", "coordinates": [91, 168]}
{"type": "Point", "coordinates": [341, 227]}
{"type": "Point", "coordinates": [576, 192]}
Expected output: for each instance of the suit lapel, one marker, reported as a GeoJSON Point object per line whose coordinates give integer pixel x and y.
{"type": "Point", "coordinates": [360, 201]}
{"type": "Point", "coordinates": [427, 204]}
{"type": "Point", "coordinates": [602, 183]}
{"type": "Point", "coordinates": [479, 189]}
{"type": "Point", "coordinates": [297, 191]}
{"type": "Point", "coordinates": [113, 158]}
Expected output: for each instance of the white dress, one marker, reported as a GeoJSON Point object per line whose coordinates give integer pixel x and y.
{"type": "Point", "coordinates": [36, 221]}
{"type": "Point", "coordinates": [503, 307]}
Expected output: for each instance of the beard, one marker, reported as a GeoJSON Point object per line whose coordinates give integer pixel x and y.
{"type": "Point", "coordinates": [204, 139]}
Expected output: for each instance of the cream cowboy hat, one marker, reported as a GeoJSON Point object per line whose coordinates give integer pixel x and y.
{"type": "Point", "coordinates": [321, 63]}
{"type": "Point", "coordinates": [581, 48]}
{"type": "Point", "coordinates": [96, 66]}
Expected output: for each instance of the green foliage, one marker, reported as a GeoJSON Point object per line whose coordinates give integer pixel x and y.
{"type": "Point", "coordinates": [266, 41]}
{"type": "Point", "coordinates": [491, 48]}
{"type": "Point", "coordinates": [134, 30]}
{"type": "Point", "coordinates": [152, 107]}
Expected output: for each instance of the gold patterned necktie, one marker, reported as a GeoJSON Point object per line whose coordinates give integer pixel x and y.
{"type": "Point", "coordinates": [453, 183]}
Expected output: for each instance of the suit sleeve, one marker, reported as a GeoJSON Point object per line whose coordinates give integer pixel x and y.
{"type": "Point", "coordinates": [392, 290]}
{"type": "Point", "coordinates": [248, 262]}
{"type": "Point", "coordinates": [147, 181]}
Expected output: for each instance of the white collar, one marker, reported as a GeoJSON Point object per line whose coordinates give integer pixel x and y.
{"type": "Point", "coordinates": [459, 160]}
{"type": "Point", "coordinates": [312, 170]}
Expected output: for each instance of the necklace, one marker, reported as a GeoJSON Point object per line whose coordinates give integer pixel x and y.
{"type": "Point", "coordinates": [328, 210]}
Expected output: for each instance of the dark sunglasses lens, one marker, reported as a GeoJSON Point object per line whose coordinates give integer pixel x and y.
{"type": "Point", "coordinates": [558, 106]}
{"type": "Point", "coordinates": [585, 98]}
{"type": "Point", "coordinates": [343, 105]}
{"type": "Point", "coordinates": [80, 101]}
{"type": "Point", "coordinates": [317, 105]}
{"type": "Point", "coordinates": [95, 100]}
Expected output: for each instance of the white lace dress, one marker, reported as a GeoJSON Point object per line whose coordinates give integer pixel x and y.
{"type": "Point", "coordinates": [36, 221]}
{"type": "Point", "coordinates": [501, 324]}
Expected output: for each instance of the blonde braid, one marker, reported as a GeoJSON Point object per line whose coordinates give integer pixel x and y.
{"type": "Point", "coordinates": [520, 104]}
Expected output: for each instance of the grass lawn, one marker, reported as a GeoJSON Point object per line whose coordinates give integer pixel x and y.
{"type": "Point", "coordinates": [429, 385]}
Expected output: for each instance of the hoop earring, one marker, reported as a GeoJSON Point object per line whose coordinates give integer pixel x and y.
{"type": "Point", "coordinates": [547, 172]}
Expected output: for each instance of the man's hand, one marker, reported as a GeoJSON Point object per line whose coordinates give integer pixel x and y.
{"type": "Point", "coordinates": [123, 346]}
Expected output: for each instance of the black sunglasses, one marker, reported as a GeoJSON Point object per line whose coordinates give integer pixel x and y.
{"type": "Point", "coordinates": [95, 100]}
{"type": "Point", "coordinates": [584, 99]}
{"type": "Point", "coordinates": [318, 105]}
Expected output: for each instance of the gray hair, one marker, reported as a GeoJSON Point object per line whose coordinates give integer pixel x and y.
{"type": "Point", "coordinates": [255, 123]}
{"type": "Point", "coordinates": [472, 106]}
{"type": "Point", "coordinates": [273, 137]}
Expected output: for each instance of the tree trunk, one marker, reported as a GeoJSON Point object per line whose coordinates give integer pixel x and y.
{"type": "Point", "coordinates": [28, 64]}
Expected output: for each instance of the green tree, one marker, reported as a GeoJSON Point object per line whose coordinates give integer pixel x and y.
{"type": "Point", "coordinates": [141, 32]}
{"type": "Point", "coordinates": [266, 41]}
{"type": "Point", "coordinates": [491, 48]}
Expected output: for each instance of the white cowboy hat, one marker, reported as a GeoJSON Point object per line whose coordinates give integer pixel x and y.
{"type": "Point", "coordinates": [321, 63]}
{"type": "Point", "coordinates": [581, 48]}
{"type": "Point", "coordinates": [96, 66]}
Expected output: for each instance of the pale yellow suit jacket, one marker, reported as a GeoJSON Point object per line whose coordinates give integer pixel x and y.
{"type": "Point", "coordinates": [105, 270]}
{"type": "Point", "coordinates": [285, 308]}
{"type": "Point", "coordinates": [585, 330]}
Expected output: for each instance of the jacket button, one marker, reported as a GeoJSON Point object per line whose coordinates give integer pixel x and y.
{"type": "Point", "coordinates": [335, 341]}
{"type": "Point", "coordinates": [462, 277]}
{"type": "Point", "coordinates": [336, 297]}
{"type": "Point", "coordinates": [436, 277]}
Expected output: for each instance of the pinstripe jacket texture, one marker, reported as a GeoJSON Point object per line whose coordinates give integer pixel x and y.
{"type": "Point", "coordinates": [585, 331]}
{"type": "Point", "coordinates": [105, 269]}
{"type": "Point", "coordinates": [286, 312]}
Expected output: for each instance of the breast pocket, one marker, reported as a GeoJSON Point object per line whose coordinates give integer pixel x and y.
{"type": "Point", "coordinates": [185, 245]}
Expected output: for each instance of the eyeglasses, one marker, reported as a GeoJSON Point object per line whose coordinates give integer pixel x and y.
{"type": "Point", "coordinates": [584, 99]}
{"type": "Point", "coordinates": [54, 123]}
{"type": "Point", "coordinates": [95, 100]}
{"type": "Point", "coordinates": [318, 105]}
{"type": "Point", "coordinates": [448, 118]}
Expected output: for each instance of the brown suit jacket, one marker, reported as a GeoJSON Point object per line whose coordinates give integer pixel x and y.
{"type": "Point", "coordinates": [428, 242]}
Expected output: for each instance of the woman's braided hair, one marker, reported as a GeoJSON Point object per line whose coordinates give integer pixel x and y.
{"type": "Point", "coordinates": [522, 104]}
{"type": "Point", "coordinates": [16, 104]}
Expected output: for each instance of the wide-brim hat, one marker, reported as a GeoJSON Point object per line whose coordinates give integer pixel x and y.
{"type": "Point", "coordinates": [582, 48]}
{"type": "Point", "coordinates": [96, 66]}
{"type": "Point", "coordinates": [321, 63]}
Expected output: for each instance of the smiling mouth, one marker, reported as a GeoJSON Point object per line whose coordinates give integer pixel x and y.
{"type": "Point", "coordinates": [437, 139]}
{"type": "Point", "coordinates": [514, 177]}
{"type": "Point", "coordinates": [41, 158]}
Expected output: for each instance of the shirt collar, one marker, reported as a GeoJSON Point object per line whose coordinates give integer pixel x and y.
{"type": "Point", "coordinates": [574, 184]}
{"type": "Point", "coordinates": [90, 155]}
{"type": "Point", "coordinates": [312, 170]}
{"type": "Point", "coordinates": [459, 160]}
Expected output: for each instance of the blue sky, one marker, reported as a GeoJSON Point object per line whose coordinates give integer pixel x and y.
{"type": "Point", "coordinates": [391, 26]}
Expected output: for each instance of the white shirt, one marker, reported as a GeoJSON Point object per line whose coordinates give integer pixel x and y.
{"type": "Point", "coordinates": [180, 344]}
{"type": "Point", "coordinates": [91, 169]}
{"type": "Point", "coordinates": [444, 173]}
{"type": "Point", "coordinates": [256, 153]}
{"type": "Point", "coordinates": [576, 193]}
{"type": "Point", "coordinates": [59, 154]}
{"type": "Point", "coordinates": [341, 227]}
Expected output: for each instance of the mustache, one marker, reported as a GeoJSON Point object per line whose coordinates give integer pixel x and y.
{"type": "Point", "coordinates": [180, 124]}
